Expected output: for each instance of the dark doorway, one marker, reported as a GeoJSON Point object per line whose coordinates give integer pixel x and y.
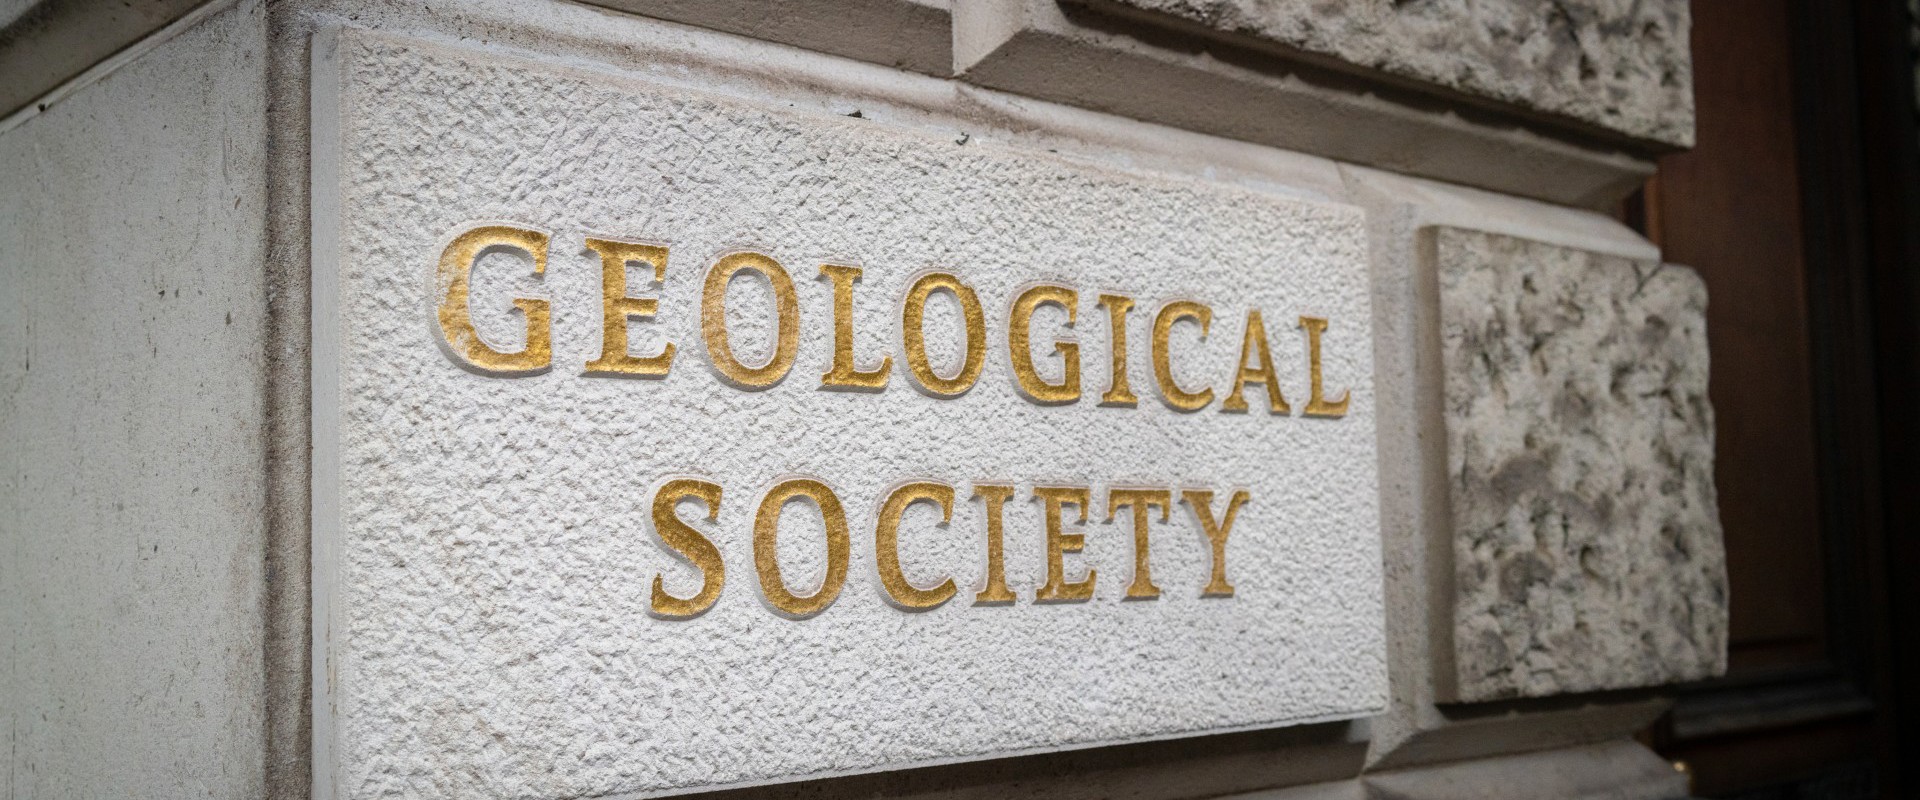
{"type": "Point", "coordinates": [1798, 207]}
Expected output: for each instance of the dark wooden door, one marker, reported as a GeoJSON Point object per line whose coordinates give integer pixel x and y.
{"type": "Point", "coordinates": [1797, 207]}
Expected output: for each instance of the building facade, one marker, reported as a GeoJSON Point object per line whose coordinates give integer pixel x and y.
{"type": "Point", "coordinates": [913, 398]}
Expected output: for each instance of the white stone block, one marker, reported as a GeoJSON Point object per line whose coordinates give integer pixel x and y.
{"type": "Point", "coordinates": [484, 550]}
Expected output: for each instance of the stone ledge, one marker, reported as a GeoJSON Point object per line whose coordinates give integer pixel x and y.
{"type": "Point", "coordinates": [43, 43]}
{"type": "Point", "coordinates": [1618, 770]}
{"type": "Point", "coordinates": [1069, 54]}
{"type": "Point", "coordinates": [908, 34]}
{"type": "Point", "coordinates": [1621, 67]}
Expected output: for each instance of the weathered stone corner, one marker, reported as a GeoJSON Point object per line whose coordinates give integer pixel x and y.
{"type": "Point", "coordinates": [1586, 537]}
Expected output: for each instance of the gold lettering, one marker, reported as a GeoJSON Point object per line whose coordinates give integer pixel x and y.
{"type": "Point", "coordinates": [1059, 542]}
{"type": "Point", "coordinates": [1118, 393]}
{"type": "Point", "coordinates": [690, 544]}
{"type": "Point", "coordinates": [456, 325]}
{"type": "Point", "coordinates": [995, 496]}
{"type": "Point", "coordinates": [1255, 346]}
{"type": "Point", "coordinates": [914, 313]}
{"type": "Point", "coordinates": [713, 321]}
{"type": "Point", "coordinates": [1175, 397]}
{"type": "Point", "coordinates": [886, 545]}
{"type": "Point", "coordinates": [766, 523]}
{"type": "Point", "coordinates": [845, 374]}
{"type": "Point", "coordinates": [1317, 406]}
{"type": "Point", "coordinates": [617, 309]}
{"type": "Point", "coordinates": [1201, 502]}
{"type": "Point", "coordinates": [1141, 501]}
{"type": "Point", "coordinates": [1020, 346]}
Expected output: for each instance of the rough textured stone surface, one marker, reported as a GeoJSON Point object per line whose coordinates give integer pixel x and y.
{"type": "Point", "coordinates": [1619, 64]}
{"type": "Point", "coordinates": [488, 584]}
{"type": "Point", "coordinates": [131, 502]}
{"type": "Point", "coordinates": [1580, 452]}
{"type": "Point", "coordinates": [1414, 510]}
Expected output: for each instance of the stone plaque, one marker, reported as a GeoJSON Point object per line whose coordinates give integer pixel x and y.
{"type": "Point", "coordinates": [667, 441]}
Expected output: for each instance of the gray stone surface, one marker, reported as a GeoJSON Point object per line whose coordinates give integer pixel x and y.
{"type": "Point", "coordinates": [1131, 68]}
{"type": "Point", "coordinates": [46, 42]}
{"type": "Point", "coordinates": [1580, 458]}
{"type": "Point", "coordinates": [1622, 65]}
{"type": "Point", "coordinates": [1415, 522]}
{"type": "Point", "coordinates": [909, 34]}
{"type": "Point", "coordinates": [1618, 770]}
{"type": "Point", "coordinates": [132, 307]}
{"type": "Point", "coordinates": [12, 10]}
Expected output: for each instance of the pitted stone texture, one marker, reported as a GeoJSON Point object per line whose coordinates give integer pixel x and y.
{"type": "Point", "coordinates": [1580, 457]}
{"type": "Point", "coordinates": [490, 633]}
{"type": "Point", "coordinates": [1619, 64]}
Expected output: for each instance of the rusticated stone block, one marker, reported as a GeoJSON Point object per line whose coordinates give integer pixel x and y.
{"type": "Point", "coordinates": [1619, 64]}
{"type": "Point", "coordinates": [1580, 463]}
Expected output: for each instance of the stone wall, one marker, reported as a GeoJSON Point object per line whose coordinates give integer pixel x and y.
{"type": "Point", "coordinates": [1547, 540]}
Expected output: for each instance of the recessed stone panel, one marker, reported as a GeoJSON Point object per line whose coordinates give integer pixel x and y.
{"type": "Point", "coordinates": [508, 607]}
{"type": "Point", "coordinates": [1580, 462]}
